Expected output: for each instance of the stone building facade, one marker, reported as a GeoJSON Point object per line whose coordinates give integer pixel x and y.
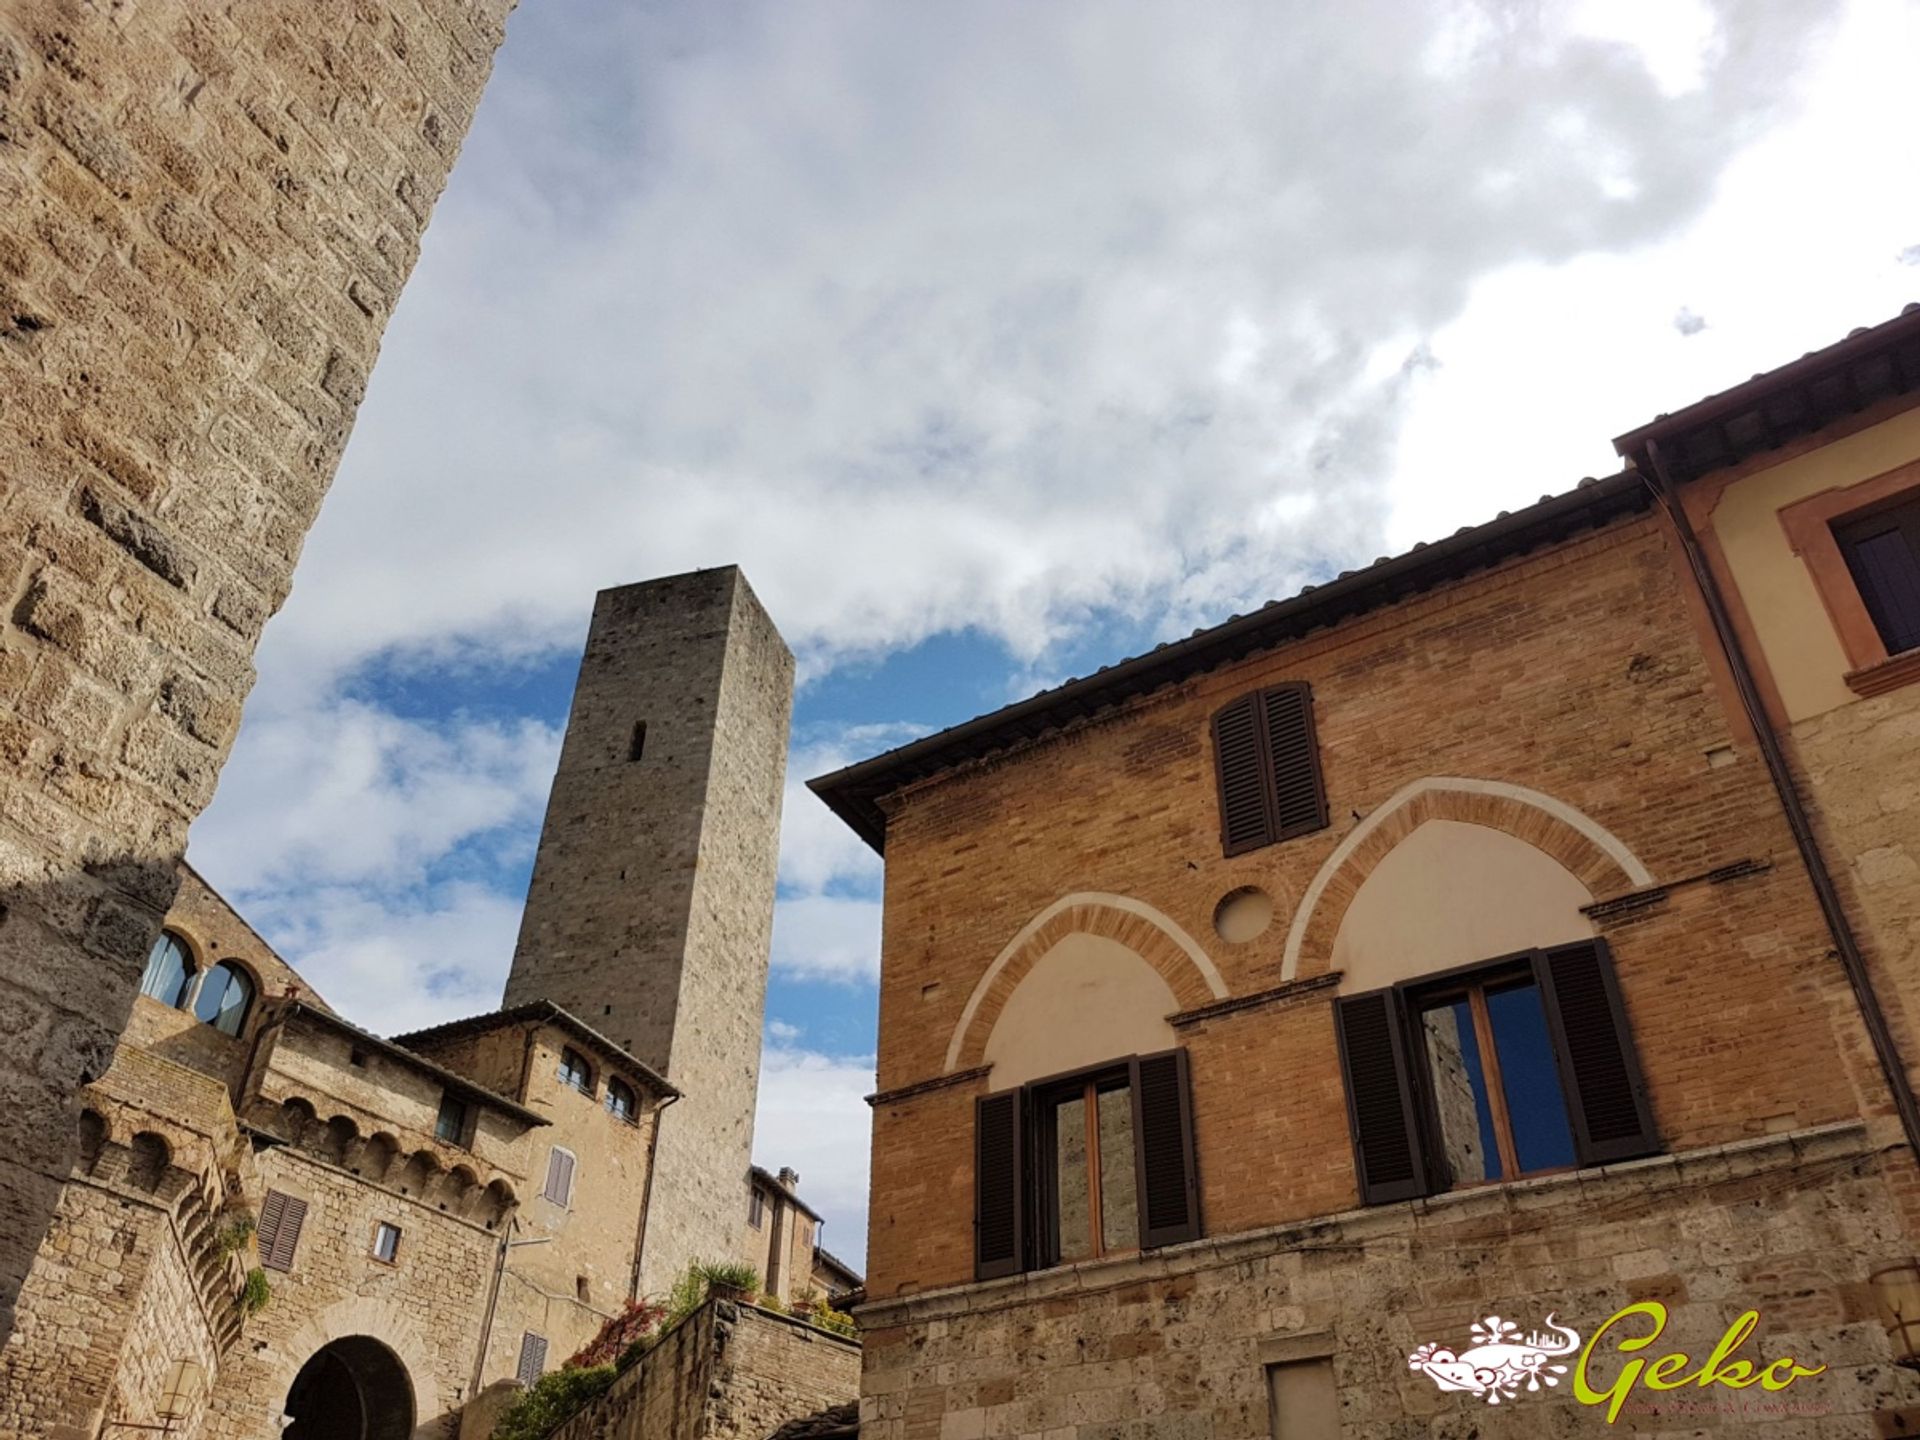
{"type": "Point", "coordinates": [783, 1242]}
{"type": "Point", "coordinates": [1182, 963]}
{"type": "Point", "coordinates": [206, 217]}
{"type": "Point", "coordinates": [437, 1215]}
{"type": "Point", "coordinates": [659, 933]}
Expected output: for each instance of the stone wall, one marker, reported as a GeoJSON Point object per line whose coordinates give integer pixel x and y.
{"type": "Point", "coordinates": [1177, 1344]}
{"type": "Point", "coordinates": [726, 1372]}
{"type": "Point", "coordinates": [650, 910]}
{"type": "Point", "coordinates": [206, 216]}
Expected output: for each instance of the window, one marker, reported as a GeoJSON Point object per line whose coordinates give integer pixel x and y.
{"type": "Point", "coordinates": [451, 1123]}
{"type": "Point", "coordinates": [1267, 761]}
{"type": "Point", "coordinates": [757, 1208]}
{"type": "Point", "coordinates": [637, 746]}
{"type": "Point", "coordinates": [620, 1101]}
{"type": "Point", "coordinates": [386, 1242]}
{"type": "Point", "coordinates": [224, 997]}
{"type": "Point", "coordinates": [533, 1358]}
{"type": "Point", "coordinates": [575, 1071]}
{"type": "Point", "coordinates": [583, 1289]}
{"type": "Point", "coordinates": [278, 1231]}
{"type": "Point", "coordinates": [1096, 1163]}
{"type": "Point", "coordinates": [169, 970]}
{"type": "Point", "coordinates": [1508, 1069]}
{"type": "Point", "coordinates": [1882, 551]}
{"type": "Point", "coordinates": [559, 1186]}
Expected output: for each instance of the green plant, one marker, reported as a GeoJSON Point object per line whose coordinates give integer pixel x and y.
{"type": "Point", "coordinates": [232, 1237]}
{"type": "Point", "coordinates": [551, 1401]}
{"type": "Point", "coordinates": [838, 1321]}
{"type": "Point", "coordinates": [701, 1279]}
{"type": "Point", "coordinates": [727, 1275]}
{"type": "Point", "coordinates": [771, 1302]}
{"type": "Point", "coordinates": [255, 1294]}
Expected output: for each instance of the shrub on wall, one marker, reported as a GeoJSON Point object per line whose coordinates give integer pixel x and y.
{"type": "Point", "coordinates": [552, 1401]}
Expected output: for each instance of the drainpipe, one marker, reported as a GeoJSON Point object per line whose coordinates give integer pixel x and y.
{"type": "Point", "coordinates": [1659, 480]}
{"type": "Point", "coordinates": [646, 1198]}
{"type": "Point", "coordinates": [493, 1301]}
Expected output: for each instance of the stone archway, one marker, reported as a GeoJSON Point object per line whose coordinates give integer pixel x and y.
{"type": "Point", "coordinates": [353, 1388]}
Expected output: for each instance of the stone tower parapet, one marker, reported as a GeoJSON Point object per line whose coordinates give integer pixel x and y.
{"type": "Point", "coordinates": [651, 907]}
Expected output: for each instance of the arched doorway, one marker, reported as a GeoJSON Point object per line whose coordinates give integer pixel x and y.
{"type": "Point", "coordinates": [353, 1389]}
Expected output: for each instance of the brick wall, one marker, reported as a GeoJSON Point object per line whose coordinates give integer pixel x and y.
{"type": "Point", "coordinates": [726, 1372]}
{"type": "Point", "coordinates": [206, 216]}
{"type": "Point", "coordinates": [1573, 672]}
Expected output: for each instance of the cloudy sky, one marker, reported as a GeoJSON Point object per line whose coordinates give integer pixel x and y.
{"type": "Point", "coordinates": [996, 341]}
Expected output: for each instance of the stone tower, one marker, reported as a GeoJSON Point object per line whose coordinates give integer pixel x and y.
{"type": "Point", "coordinates": [651, 908]}
{"type": "Point", "coordinates": [206, 216]}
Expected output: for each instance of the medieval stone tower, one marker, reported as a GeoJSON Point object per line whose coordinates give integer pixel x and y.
{"type": "Point", "coordinates": [651, 908]}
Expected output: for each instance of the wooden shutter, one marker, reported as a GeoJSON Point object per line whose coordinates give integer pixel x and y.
{"type": "Point", "coordinates": [1381, 1113]}
{"type": "Point", "coordinates": [278, 1233]}
{"type": "Point", "coordinates": [1293, 760]}
{"type": "Point", "coordinates": [1598, 1067]}
{"type": "Point", "coordinates": [1246, 822]}
{"type": "Point", "coordinates": [998, 1224]}
{"type": "Point", "coordinates": [533, 1358]}
{"type": "Point", "coordinates": [559, 1186]}
{"type": "Point", "coordinates": [1169, 1195]}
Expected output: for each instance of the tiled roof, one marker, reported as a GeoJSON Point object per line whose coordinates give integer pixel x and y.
{"type": "Point", "coordinates": [549, 1013]}
{"type": "Point", "coordinates": [854, 792]}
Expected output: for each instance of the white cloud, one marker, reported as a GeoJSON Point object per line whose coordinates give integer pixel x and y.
{"type": "Point", "coordinates": [814, 1118]}
{"type": "Point", "coordinates": [827, 937]}
{"type": "Point", "coordinates": [946, 315]}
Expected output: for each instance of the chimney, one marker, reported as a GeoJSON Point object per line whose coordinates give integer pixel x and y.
{"type": "Point", "coordinates": [789, 1178]}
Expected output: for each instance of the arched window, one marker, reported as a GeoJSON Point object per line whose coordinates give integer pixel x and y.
{"type": "Point", "coordinates": [620, 1102]}
{"type": "Point", "coordinates": [224, 998]}
{"type": "Point", "coordinates": [575, 1071]}
{"type": "Point", "coordinates": [169, 970]}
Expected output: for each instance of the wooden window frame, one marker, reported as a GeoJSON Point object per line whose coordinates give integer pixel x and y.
{"type": "Point", "coordinates": [565, 1202]}
{"type": "Point", "coordinates": [533, 1347]}
{"type": "Point", "coordinates": [630, 1115]}
{"type": "Point", "coordinates": [1274, 831]}
{"type": "Point", "coordinates": [278, 1245]}
{"type": "Point", "coordinates": [1043, 1099]}
{"type": "Point", "coordinates": [1035, 1214]}
{"type": "Point", "coordinates": [564, 1071]}
{"type": "Point", "coordinates": [757, 1208]}
{"type": "Point", "coordinates": [1419, 1112]}
{"type": "Point", "coordinates": [1809, 526]}
{"type": "Point", "coordinates": [464, 1129]}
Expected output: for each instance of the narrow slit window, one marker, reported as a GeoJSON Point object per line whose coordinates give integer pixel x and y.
{"type": "Point", "coordinates": [637, 745]}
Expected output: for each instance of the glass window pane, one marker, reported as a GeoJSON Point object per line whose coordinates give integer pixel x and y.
{"type": "Point", "coordinates": [1119, 1212]}
{"type": "Point", "coordinates": [1460, 1092]}
{"type": "Point", "coordinates": [222, 1001]}
{"type": "Point", "coordinates": [169, 969]}
{"type": "Point", "coordinates": [1070, 1170]}
{"type": "Point", "coordinates": [1542, 1137]}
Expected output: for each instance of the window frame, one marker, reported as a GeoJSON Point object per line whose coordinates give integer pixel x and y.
{"type": "Point", "coordinates": [629, 1114]}
{"type": "Point", "coordinates": [1042, 1099]}
{"type": "Point", "coordinates": [380, 1229]}
{"type": "Point", "coordinates": [1274, 831]}
{"type": "Point", "coordinates": [566, 1070]}
{"type": "Point", "coordinates": [1419, 1114]}
{"type": "Point", "coordinates": [756, 1207]}
{"type": "Point", "coordinates": [240, 973]}
{"type": "Point", "coordinates": [190, 970]}
{"type": "Point", "coordinates": [464, 1130]}
{"type": "Point", "coordinates": [1811, 527]}
{"type": "Point", "coordinates": [565, 1202]}
{"type": "Point", "coordinates": [1014, 1184]}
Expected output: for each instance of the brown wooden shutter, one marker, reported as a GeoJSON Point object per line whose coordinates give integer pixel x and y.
{"type": "Point", "coordinates": [1246, 820]}
{"type": "Point", "coordinates": [559, 1186]}
{"type": "Point", "coordinates": [998, 1172]}
{"type": "Point", "coordinates": [533, 1358]}
{"type": "Point", "coordinates": [1165, 1180]}
{"type": "Point", "coordinates": [1598, 1067]}
{"type": "Point", "coordinates": [1293, 760]}
{"type": "Point", "coordinates": [278, 1233]}
{"type": "Point", "coordinates": [1381, 1113]}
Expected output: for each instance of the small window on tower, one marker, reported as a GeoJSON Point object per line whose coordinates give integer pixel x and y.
{"type": "Point", "coordinates": [637, 747]}
{"type": "Point", "coordinates": [386, 1242]}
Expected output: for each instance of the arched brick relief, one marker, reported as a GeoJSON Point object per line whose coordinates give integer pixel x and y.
{"type": "Point", "coordinates": [1188, 970]}
{"type": "Point", "coordinates": [1588, 851]}
{"type": "Point", "coordinates": [377, 1320]}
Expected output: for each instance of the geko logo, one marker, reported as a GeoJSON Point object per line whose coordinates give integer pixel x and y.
{"type": "Point", "coordinates": [1501, 1360]}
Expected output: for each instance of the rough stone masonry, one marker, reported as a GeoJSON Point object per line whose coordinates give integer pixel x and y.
{"type": "Point", "coordinates": [207, 211]}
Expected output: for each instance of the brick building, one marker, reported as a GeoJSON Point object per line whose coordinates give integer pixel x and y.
{"type": "Point", "coordinates": [465, 1205]}
{"type": "Point", "coordinates": [1452, 940]}
{"type": "Point", "coordinates": [783, 1242]}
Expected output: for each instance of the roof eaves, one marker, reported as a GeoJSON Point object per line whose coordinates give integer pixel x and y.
{"type": "Point", "coordinates": [547, 1011]}
{"type": "Point", "coordinates": [452, 1079]}
{"type": "Point", "coordinates": [853, 792]}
